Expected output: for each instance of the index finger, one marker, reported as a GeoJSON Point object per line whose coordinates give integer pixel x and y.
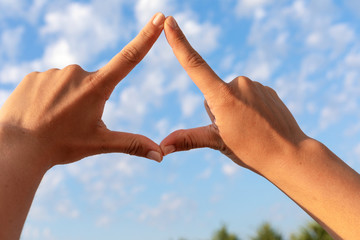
{"type": "Point", "coordinates": [199, 71]}
{"type": "Point", "coordinates": [120, 65]}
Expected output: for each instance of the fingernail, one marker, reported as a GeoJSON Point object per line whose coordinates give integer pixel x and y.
{"type": "Point", "coordinates": [172, 22]}
{"type": "Point", "coordinates": [153, 155]}
{"type": "Point", "coordinates": [159, 20]}
{"type": "Point", "coordinates": [169, 149]}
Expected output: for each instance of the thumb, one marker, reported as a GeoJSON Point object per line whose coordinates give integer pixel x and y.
{"type": "Point", "coordinates": [186, 139]}
{"type": "Point", "coordinates": [133, 144]}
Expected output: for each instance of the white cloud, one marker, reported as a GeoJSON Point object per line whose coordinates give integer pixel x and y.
{"type": "Point", "coordinates": [136, 100]}
{"type": "Point", "coordinates": [30, 11]}
{"type": "Point", "coordinates": [230, 169]}
{"type": "Point", "coordinates": [259, 67]}
{"type": "Point", "coordinates": [4, 94]}
{"type": "Point", "coordinates": [299, 10]}
{"type": "Point", "coordinates": [162, 126]}
{"type": "Point", "coordinates": [190, 103]}
{"type": "Point", "coordinates": [73, 33]}
{"type": "Point", "coordinates": [145, 9]}
{"type": "Point", "coordinates": [336, 37]}
{"type": "Point", "coordinates": [353, 58]}
{"type": "Point", "coordinates": [248, 8]}
{"type": "Point", "coordinates": [9, 7]}
{"type": "Point", "coordinates": [357, 150]}
{"type": "Point", "coordinates": [206, 174]}
{"type": "Point", "coordinates": [170, 208]}
{"type": "Point", "coordinates": [227, 62]}
{"type": "Point", "coordinates": [328, 116]}
{"type": "Point", "coordinates": [31, 232]}
{"type": "Point", "coordinates": [354, 6]}
{"type": "Point", "coordinates": [107, 178]}
{"type": "Point", "coordinates": [14, 73]}
{"type": "Point", "coordinates": [59, 54]}
{"type": "Point", "coordinates": [51, 183]}
{"type": "Point", "coordinates": [51, 192]}
{"type": "Point", "coordinates": [342, 35]}
{"type": "Point", "coordinates": [203, 36]}
{"type": "Point", "coordinates": [180, 82]}
{"type": "Point", "coordinates": [10, 40]}
{"type": "Point", "coordinates": [103, 221]}
{"type": "Point", "coordinates": [80, 29]}
{"type": "Point", "coordinates": [66, 208]}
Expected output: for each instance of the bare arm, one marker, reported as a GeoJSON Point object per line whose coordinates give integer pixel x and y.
{"type": "Point", "coordinates": [54, 118]}
{"type": "Point", "coordinates": [252, 126]}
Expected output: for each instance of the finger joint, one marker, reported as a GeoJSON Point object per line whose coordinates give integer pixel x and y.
{"type": "Point", "coordinates": [194, 60]}
{"type": "Point", "coordinates": [134, 147]}
{"type": "Point", "coordinates": [131, 55]}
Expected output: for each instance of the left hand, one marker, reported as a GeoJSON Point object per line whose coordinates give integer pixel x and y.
{"type": "Point", "coordinates": [61, 110]}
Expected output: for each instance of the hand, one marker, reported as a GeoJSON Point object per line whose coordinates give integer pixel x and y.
{"type": "Point", "coordinates": [250, 124]}
{"type": "Point", "coordinates": [61, 110]}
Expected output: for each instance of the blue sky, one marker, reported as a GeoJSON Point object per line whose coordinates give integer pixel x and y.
{"type": "Point", "coordinates": [308, 51]}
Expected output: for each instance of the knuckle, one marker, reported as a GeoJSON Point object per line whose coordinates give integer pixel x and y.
{"type": "Point", "coordinates": [134, 147]}
{"type": "Point", "coordinates": [244, 84]}
{"type": "Point", "coordinates": [244, 81]}
{"type": "Point", "coordinates": [216, 141]}
{"type": "Point", "coordinates": [271, 90]}
{"type": "Point", "coordinates": [131, 55]}
{"type": "Point", "coordinates": [194, 60]}
{"type": "Point", "coordinates": [97, 85]}
{"type": "Point", "coordinates": [73, 68]}
{"type": "Point", "coordinates": [52, 70]}
{"type": "Point", "coordinates": [32, 75]}
{"type": "Point", "coordinates": [146, 34]}
{"type": "Point", "coordinates": [227, 94]}
{"type": "Point", "coordinates": [187, 142]}
{"type": "Point", "coordinates": [180, 39]}
{"type": "Point", "coordinates": [104, 148]}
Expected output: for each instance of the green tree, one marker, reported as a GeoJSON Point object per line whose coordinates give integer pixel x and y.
{"type": "Point", "coordinates": [267, 232]}
{"type": "Point", "coordinates": [313, 231]}
{"type": "Point", "coordinates": [223, 234]}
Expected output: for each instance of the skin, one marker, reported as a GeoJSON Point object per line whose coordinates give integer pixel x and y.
{"type": "Point", "coordinates": [253, 127]}
{"type": "Point", "coordinates": [54, 118]}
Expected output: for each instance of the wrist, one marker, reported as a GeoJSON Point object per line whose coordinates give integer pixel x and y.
{"type": "Point", "coordinates": [290, 158]}
{"type": "Point", "coordinates": [22, 149]}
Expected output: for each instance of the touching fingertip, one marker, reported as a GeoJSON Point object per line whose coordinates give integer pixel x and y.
{"type": "Point", "coordinates": [169, 149]}
{"type": "Point", "coordinates": [172, 22]}
{"type": "Point", "coordinates": [159, 19]}
{"type": "Point", "coordinates": [154, 155]}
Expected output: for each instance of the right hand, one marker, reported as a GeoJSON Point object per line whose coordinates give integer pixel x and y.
{"type": "Point", "coordinates": [250, 124]}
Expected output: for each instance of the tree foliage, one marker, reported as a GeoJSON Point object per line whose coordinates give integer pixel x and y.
{"type": "Point", "coordinates": [313, 231]}
{"type": "Point", "coordinates": [267, 232]}
{"type": "Point", "coordinates": [223, 234]}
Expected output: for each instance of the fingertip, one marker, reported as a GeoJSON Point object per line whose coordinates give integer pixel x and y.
{"type": "Point", "coordinates": [167, 149]}
{"type": "Point", "coordinates": [158, 20]}
{"type": "Point", "coordinates": [154, 155]}
{"type": "Point", "coordinates": [171, 22]}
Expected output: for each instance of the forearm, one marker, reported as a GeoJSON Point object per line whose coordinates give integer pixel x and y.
{"type": "Point", "coordinates": [20, 176]}
{"type": "Point", "coordinates": [323, 185]}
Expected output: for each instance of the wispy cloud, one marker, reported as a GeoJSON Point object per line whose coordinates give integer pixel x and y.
{"type": "Point", "coordinates": [170, 208]}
